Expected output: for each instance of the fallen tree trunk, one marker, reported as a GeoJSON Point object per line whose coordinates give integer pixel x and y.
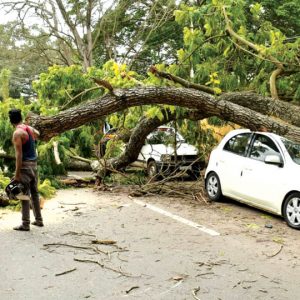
{"type": "Point", "coordinates": [189, 98]}
{"type": "Point", "coordinates": [78, 165]}
{"type": "Point", "coordinates": [74, 164]}
{"type": "Point", "coordinates": [6, 156]}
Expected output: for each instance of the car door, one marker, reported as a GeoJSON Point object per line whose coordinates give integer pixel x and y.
{"type": "Point", "coordinates": [262, 183]}
{"type": "Point", "coordinates": [231, 162]}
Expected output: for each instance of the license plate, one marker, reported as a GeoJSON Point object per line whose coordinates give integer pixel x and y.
{"type": "Point", "coordinates": [185, 168]}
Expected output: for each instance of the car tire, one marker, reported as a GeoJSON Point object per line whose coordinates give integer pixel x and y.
{"type": "Point", "coordinates": [213, 187]}
{"type": "Point", "coordinates": [291, 210]}
{"type": "Point", "coordinates": [152, 170]}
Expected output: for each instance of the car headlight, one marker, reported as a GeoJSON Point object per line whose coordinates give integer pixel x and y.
{"type": "Point", "coordinates": [166, 157]}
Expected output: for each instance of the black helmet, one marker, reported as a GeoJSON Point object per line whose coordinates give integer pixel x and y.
{"type": "Point", "coordinates": [15, 190]}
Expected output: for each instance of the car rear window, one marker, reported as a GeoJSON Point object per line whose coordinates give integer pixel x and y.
{"type": "Point", "coordinates": [163, 137]}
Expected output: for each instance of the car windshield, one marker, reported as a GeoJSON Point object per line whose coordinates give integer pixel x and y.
{"type": "Point", "coordinates": [293, 150]}
{"type": "Point", "coordinates": [163, 137]}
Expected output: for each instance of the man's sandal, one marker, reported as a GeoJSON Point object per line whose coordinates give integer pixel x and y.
{"type": "Point", "coordinates": [22, 228]}
{"type": "Point", "coordinates": [38, 223]}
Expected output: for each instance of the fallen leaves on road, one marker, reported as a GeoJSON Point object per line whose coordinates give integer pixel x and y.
{"type": "Point", "coordinates": [253, 226]}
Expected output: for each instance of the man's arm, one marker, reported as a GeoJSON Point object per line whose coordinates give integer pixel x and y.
{"type": "Point", "coordinates": [17, 140]}
{"type": "Point", "coordinates": [35, 132]}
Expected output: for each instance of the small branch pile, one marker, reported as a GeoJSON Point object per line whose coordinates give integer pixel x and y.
{"type": "Point", "coordinates": [171, 186]}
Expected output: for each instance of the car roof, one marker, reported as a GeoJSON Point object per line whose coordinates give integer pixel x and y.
{"type": "Point", "coordinates": [235, 132]}
{"type": "Point", "coordinates": [243, 130]}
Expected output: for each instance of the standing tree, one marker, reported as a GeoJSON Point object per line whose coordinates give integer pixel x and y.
{"type": "Point", "coordinates": [81, 28]}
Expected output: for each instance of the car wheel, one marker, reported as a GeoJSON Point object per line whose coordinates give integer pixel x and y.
{"type": "Point", "coordinates": [152, 169]}
{"type": "Point", "coordinates": [213, 187]}
{"type": "Point", "coordinates": [291, 210]}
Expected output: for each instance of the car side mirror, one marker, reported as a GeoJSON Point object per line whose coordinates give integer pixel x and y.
{"type": "Point", "coordinates": [274, 160]}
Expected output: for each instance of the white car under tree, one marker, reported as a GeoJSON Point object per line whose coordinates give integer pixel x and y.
{"type": "Point", "coordinates": [159, 156]}
{"type": "Point", "coordinates": [260, 169]}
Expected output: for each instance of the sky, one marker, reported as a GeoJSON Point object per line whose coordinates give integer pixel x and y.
{"type": "Point", "coordinates": [4, 18]}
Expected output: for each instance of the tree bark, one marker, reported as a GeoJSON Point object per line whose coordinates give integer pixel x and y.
{"type": "Point", "coordinates": [189, 98]}
{"type": "Point", "coordinates": [77, 165]}
{"type": "Point", "coordinates": [271, 107]}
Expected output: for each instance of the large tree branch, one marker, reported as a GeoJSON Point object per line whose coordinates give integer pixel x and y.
{"type": "Point", "coordinates": [189, 98]}
{"type": "Point", "coordinates": [271, 107]}
{"type": "Point", "coordinates": [183, 82]}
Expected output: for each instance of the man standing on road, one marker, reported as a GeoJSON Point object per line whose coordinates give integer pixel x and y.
{"type": "Point", "coordinates": [26, 168]}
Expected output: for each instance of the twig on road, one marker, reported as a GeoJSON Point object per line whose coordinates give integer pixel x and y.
{"type": "Point", "coordinates": [78, 233]}
{"type": "Point", "coordinates": [94, 249]}
{"type": "Point", "coordinates": [66, 272]}
{"type": "Point", "coordinates": [194, 293]}
{"type": "Point", "coordinates": [269, 256]}
{"type": "Point", "coordinates": [244, 281]}
{"type": "Point", "coordinates": [109, 243]}
{"type": "Point", "coordinates": [132, 288]}
{"type": "Point", "coordinates": [104, 242]}
{"type": "Point", "coordinates": [199, 197]}
{"type": "Point", "coordinates": [102, 266]}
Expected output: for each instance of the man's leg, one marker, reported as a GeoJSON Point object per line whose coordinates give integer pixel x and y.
{"type": "Point", "coordinates": [25, 205]}
{"type": "Point", "coordinates": [35, 199]}
{"type": "Point", "coordinates": [25, 213]}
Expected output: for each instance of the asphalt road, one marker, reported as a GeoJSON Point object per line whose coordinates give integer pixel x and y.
{"type": "Point", "coordinates": [164, 248]}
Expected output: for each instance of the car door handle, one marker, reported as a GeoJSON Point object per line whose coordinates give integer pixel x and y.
{"type": "Point", "coordinates": [248, 169]}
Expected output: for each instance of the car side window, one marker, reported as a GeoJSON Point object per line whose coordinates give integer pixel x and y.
{"type": "Point", "coordinates": [263, 146]}
{"type": "Point", "coordinates": [238, 143]}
